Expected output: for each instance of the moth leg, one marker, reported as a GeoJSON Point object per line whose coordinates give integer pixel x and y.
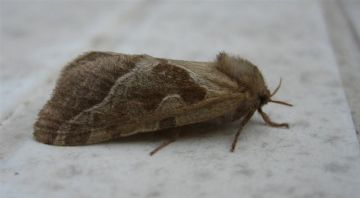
{"type": "Point", "coordinates": [271, 123]}
{"type": "Point", "coordinates": [166, 142]}
{"type": "Point", "coordinates": [242, 124]}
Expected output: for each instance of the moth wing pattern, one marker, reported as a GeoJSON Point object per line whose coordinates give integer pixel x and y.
{"type": "Point", "coordinates": [102, 96]}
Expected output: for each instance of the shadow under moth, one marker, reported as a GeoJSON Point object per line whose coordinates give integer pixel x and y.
{"type": "Point", "coordinates": [102, 96]}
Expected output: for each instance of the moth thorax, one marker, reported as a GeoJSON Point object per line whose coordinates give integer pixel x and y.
{"type": "Point", "coordinates": [244, 72]}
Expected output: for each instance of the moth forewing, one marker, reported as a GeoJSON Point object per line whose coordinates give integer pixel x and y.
{"type": "Point", "coordinates": [171, 111]}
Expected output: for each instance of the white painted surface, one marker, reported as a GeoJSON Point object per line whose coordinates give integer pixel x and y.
{"type": "Point", "coordinates": [317, 157]}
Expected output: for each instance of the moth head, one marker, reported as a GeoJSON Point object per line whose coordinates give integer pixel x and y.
{"type": "Point", "coordinates": [264, 97]}
{"type": "Point", "coordinates": [247, 75]}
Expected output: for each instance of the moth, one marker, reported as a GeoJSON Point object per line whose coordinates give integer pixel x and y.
{"type": "Point", "coordinates": [103, 96]}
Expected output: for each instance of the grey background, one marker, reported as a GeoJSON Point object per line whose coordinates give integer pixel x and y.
{"type": "Point", "coordinates": [312, 45]}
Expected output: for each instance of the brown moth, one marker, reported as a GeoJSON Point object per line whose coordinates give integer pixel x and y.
{"type": "Point", "coordinates": [102, 96]}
